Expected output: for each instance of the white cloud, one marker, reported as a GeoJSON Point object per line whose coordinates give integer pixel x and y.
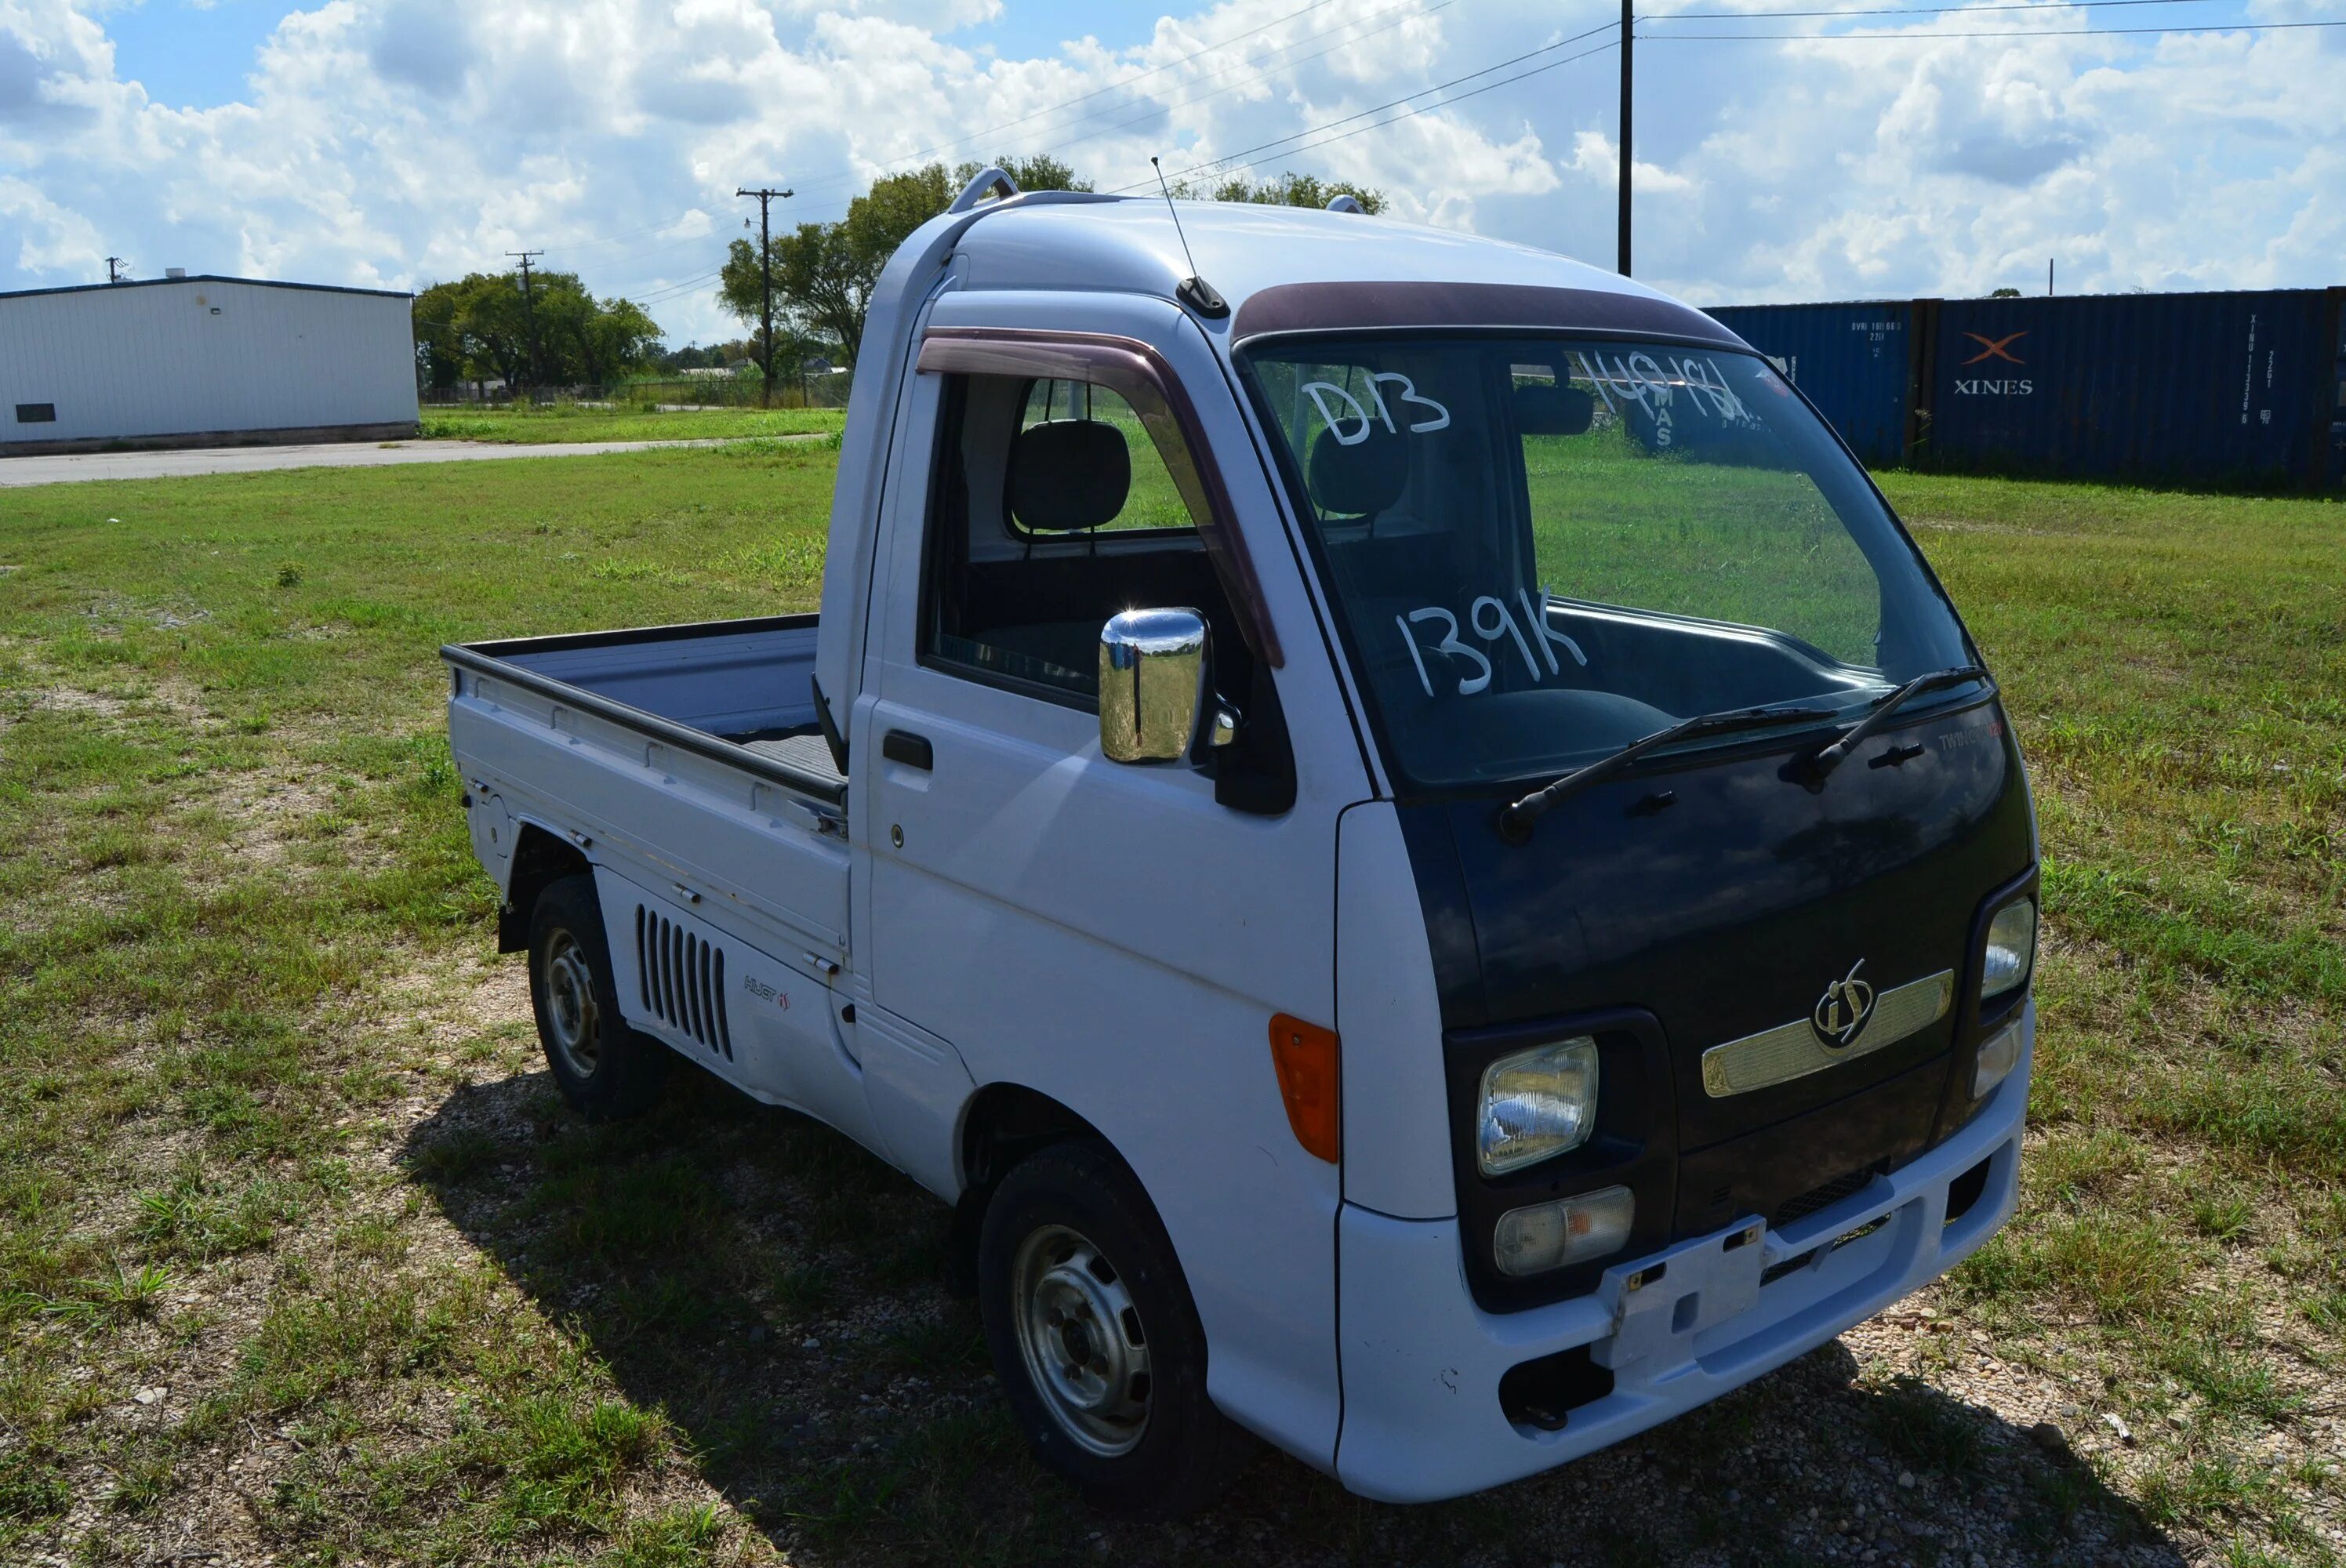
{"type": "Point", "coordinates": [393, 142]}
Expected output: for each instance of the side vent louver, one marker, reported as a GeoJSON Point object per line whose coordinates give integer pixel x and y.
{"type": "Point", "coordinates": [682, 979]}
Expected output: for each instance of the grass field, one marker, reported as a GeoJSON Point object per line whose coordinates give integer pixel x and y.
{"type": "Point", "coordinates": [576, 422]}
{"type": "Point", "coordinates": [301, 1258]}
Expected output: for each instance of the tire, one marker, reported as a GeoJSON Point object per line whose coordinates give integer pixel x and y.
{"type": "Point", "coordinates": [607, 1071]}
{"type": "Point", "coordinates": [1071, 1260]}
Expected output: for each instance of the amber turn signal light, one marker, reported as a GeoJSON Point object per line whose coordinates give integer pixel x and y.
{"type": "Point", "coordinates": [1306, 1057]}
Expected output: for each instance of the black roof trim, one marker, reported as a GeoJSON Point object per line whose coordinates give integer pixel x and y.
{"type": "Point", "coordinates": [203, 278]}
{"type": "Point", "coordinates": [1337, 307]}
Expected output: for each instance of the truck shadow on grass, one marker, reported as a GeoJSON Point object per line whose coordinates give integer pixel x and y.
{"type": "Point", "coordinates": [777, 1291]}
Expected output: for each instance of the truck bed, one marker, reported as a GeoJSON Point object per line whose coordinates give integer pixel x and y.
{"type": "Point", "coordinates": [737, 691]}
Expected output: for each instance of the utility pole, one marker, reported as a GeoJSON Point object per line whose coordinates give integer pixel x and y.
{"type": "Point", "coordinates": [529, 307]}
{"type": "Point", "coordinates": [1621, 225]}
{"type": "Point", "coordinates": [113, 269]}
{"type": "Point", "coordinates": [765, 199]}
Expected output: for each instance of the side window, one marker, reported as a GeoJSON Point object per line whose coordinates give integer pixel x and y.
{"type": "Point", "coordinates": [1052, 508]}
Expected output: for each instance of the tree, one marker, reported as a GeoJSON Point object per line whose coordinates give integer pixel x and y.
{"type": "Point", "coordinates": [824, 272]}
{"type": "Point", "coordinates": [592, 341]}
{"type": "Point", "coordinates": [478, 329]}
{"type": "Point", "coordinates": [2005, 294]}
{"type": "Point", "coordinates": [1289, 190]}
{"type": "Point", "coordinates": [474, 330]}
{"type": "Point", "coordinates": [824, 282]}
{"type": "Point", "coordinates": [1041, 172]}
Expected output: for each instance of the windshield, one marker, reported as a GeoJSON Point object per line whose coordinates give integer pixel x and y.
{"type": "Point", "coordinates": [1542, 549]}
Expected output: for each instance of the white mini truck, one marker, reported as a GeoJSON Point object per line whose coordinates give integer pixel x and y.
{"type": "Point", "coordinates": [1390, 817]}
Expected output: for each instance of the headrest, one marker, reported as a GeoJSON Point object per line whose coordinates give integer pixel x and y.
{"type": "Point", "coordinates": [1553, 410]}
{"type": "Point", "coordinates": [1068, 475]}
{"type": "Point", "coordinates": [1359, 480]}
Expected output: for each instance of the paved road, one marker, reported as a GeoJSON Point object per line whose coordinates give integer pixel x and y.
{"type": "Point", "coordinates": [19, 471]}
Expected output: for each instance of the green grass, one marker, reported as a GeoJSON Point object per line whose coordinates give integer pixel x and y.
{"type": "Point", "coordinates": [622, 422]}
{"type": "Point", "coordinates": [278, 1158]}
{"type": "Point", "coordinates": [1619, 526]}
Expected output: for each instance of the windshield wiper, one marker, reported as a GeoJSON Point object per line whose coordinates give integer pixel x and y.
{"type": "Point", "coordinates": [1516, 818]}
{"type": "Point", "coordinates": [1821, 764]}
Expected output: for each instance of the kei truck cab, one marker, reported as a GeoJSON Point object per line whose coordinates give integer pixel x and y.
{"type": "Point", "coordinates": [1391, 818]}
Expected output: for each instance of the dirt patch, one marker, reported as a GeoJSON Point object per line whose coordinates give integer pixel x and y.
{"type": "Point", "coordinates": [266, 814]}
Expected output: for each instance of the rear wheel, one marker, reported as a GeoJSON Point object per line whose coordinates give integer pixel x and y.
{"type": "Point", "coordinates": [604, 1068]}
{"type": "Point", "coordinates": [1095, 1340]}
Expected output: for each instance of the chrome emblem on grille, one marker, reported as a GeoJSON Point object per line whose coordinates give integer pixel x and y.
{"type": "Point", "coordinates": [1843, 1011]}
{"type": "Point", "coordinates": [1804, 1045]}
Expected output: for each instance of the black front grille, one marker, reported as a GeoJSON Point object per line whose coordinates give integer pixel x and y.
{"type": "Point", "coordinates": [1820, 1198]}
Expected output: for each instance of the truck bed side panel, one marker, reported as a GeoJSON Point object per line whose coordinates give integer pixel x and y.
{"type": "Point", "coordinates": [718, 858]}
{"type": "Point", "coordinates": [767, 1023]}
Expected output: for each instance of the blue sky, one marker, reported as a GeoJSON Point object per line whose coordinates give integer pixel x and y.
{"type": "Point", "coordinates": [395, 142]}
{"type": "Point", "coordinates": [186, 55]}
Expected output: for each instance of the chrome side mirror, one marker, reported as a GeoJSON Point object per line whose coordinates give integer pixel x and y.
{"type": "Point", "coordinates": [1152, 684]}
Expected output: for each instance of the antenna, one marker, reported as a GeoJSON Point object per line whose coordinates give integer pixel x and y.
{"type": "Point", "coordinates": [1194, 291]}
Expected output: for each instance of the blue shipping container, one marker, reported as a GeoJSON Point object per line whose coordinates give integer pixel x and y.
{"type": "Point", "coordinates": [2219, 388]}
{"type": "Point", "coordinates": [1854, 362]}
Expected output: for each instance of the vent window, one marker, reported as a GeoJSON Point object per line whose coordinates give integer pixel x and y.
{"type": "Point", "coordinates": [36, 414]}
{"type": "Point", "coordinates": [682, 979]}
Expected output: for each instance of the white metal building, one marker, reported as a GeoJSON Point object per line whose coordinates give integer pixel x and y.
{"type": "Point", "coordinates": [203, 362]}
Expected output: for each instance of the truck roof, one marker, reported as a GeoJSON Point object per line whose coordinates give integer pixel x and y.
{"type": "Point", "coordinates": [1263, 258]}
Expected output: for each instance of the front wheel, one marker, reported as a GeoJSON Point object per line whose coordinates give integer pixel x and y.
{"type": "Point", "coordinates": [1095, 1340]}
{"type": "Point", "coordinates": [604, 1069]}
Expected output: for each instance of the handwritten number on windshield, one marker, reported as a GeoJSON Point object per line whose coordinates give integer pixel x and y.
{"type": "Point", "coordinates": [1353, 416]}
{"type": "Point", "coordinates": [1448, 645]}
{"type": "Point", "coordinates": [1491, 620]}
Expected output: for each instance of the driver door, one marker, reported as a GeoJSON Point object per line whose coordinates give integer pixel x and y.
{"type": "Point", "coordinates": [1109, 935]}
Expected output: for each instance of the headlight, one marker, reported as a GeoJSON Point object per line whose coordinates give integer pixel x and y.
{"type": "Point", "coordinates": [1550, 1235]}
{"type": "Point", "coordinates": [1998, 1054]}
{"type": "Point", "coordinates": [1536, 1104]}
{"type": "Point", "coordinates": [2010, 948]}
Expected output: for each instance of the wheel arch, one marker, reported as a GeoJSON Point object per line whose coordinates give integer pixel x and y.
{"type": "Point", "coordinates": [1002, 1124]}
{"type": "Point", "coordinates": [540, 859]}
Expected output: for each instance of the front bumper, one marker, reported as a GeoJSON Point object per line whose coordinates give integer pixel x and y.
{"type": "Point", "coordinates": [1422, 1363]}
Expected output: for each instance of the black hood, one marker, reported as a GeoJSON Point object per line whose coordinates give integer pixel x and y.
{"type": "Point", "coordinates": [1717, 897]}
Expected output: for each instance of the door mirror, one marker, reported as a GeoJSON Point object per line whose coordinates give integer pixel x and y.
{"type": "Point", "coordinates": [1152, 684]}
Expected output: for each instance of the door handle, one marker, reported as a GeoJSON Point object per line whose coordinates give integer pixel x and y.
{"type": "Point", "coordinates": [912, 751]}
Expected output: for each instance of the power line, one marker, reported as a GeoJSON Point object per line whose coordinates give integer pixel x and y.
{"type": "Point", "coordinates": [1162, 109]}
{"type": "Point", "coordinates": [2007, 33]}
{"type": "Point", "coordinates": [664, 247]}
{"type": "Point", "coordinates": [671, 291]}
{"type": "Point", "coordinates": [1229, 159]}
{"type": "Point", "coordinates": [623, 234]}
{"type": "Point", "coordinates": [1411, 10]}
{"type": "Point", "coordinates": [1916, 10]}
{"type": "Point", "coordinates": [1455, 99]}
{"type": "Point", "coordinates": [911, 158]}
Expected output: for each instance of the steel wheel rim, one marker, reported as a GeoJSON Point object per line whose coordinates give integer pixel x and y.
{"type": "Point", "coordinates": [571, 1015]}
{"type": "Point", "coordinates": [1080, 1336]}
